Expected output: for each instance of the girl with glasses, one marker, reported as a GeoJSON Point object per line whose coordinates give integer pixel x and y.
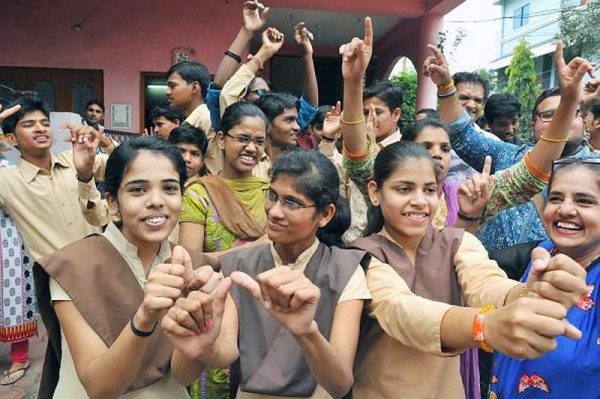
{"type": "Point", "coordinates": [292, 317]}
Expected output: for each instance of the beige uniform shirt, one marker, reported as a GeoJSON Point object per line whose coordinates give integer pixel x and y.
{"type": "Point", "coordinates": [45, 203]}
{"type": "Point", "coordinates": [69, 385]}
{"type": "Point", "coordinates": [356, 289]}
{"type": "Point", "coordinates": [409, 362]}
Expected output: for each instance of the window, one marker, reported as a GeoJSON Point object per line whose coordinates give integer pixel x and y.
{"type": "Point", "coordinates": [521, 16]}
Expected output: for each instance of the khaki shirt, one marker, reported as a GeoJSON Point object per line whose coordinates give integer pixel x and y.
{"type": "Point", "coordinates": [45, 204]}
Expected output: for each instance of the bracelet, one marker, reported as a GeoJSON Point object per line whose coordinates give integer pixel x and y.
{"type": "Point", "coordinates": [234, 56]}
{"type": "Point", "coordinates": [462, 216]}
{"type": "Point", "coordinates": [327, 139]}
{"type": "Point", "coordinates": [140, 333]}
{"type": "Point", "coordinates": [446, 86]}
{"type": "Point", "coordinates": [446, 95]}
{"type": "Point", "coordinates": [358, 122]}
{"type": "Point", "coordinates": [549, 140]}
{"type": "Point", "coordinates": [477, 332]}
{"type": "Point", "coordinates": [258, 62]}
{"type": "Point", "coordinates": [89, 179]}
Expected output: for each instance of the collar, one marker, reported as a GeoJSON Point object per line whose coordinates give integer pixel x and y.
{"type": "Point", "coordinates": [302, 259]}
{"type": "Point", "coordinates": [116, 238]}
{"type": "Point", "coordinates": [394, 137]}
{"type": "Point", "coordinates": [29, 171]}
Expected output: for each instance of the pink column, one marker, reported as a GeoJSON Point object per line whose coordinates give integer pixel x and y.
{"type": "Point", "coordinates": [431, 25]}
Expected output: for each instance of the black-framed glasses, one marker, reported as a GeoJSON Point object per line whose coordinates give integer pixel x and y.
{"type": "Point", "coordinates": [286, 203]}
{"type": "Point", "coordinates": [260, 92]}
{"type": "Point", "coordinates": [246, 140]}
{"type": "Point", "coordinates": [559, 163]}
{"type": "Point", "coordinates": [546, 116]}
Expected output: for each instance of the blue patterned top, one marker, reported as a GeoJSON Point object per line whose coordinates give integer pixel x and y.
{"type": "Point", "coordinates": [570, 371]}
{"type": "Point", "coordinates": [514, 225]}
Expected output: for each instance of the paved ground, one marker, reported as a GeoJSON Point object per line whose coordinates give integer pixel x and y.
{"type": "Point", "coordinates": [27, 387]}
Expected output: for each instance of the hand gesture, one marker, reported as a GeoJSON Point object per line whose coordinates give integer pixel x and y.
{"type": "Point", "coordinates": [272, 40]}
{"type": "Point", "coordinates": [255, 15]}
{"type": "Point", "coordinates": [288, 295]}
{"type": "Point", "coordinates": [591, 92]}
{"type": "Point", "coordinates": [303, 38]}
{"type": "Point", "coordinates": [570, 75]}
{"type": "Point", "coordinates": [193, 324]}
{"type": "Point", "coordinates": [557, 278]}
{"type": "Point", "coordinates": [356, 55]}
{"type": "Point", "coordinates": [436, 67]}
{"type": "Point", "coordinates": [8, 112]}
{"type": "Point", "coordinates": [473, 195]}
{"type": "Point", "coordinates": [331, 123]}
{"type": "Point", "coordinates": [85, 140]}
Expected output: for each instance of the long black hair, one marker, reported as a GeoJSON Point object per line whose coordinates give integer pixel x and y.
{"type": "Point", "coordinates": [387, 162]}
{"type": "Point", "coordinates": [316, 178]}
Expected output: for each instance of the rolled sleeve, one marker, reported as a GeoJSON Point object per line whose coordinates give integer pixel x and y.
{"type": "Point", "coordinates": [235, 88]}
{"type": "Point", "coordinates": [482, 281]}
{"type": "Point", "coordinates": [306, 113]}
{"type": "Point", "coordinates": [93, 207]}
{"type": "Point", "coordinates": [360, 169]}
{"type": "Point", "coordinates": [408, 318]}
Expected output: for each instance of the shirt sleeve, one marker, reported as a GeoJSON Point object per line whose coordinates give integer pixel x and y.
{"type": "Point", "coordinates": [195, 205]}
{"type": "Point", "coordinates": [93, 207]}
{"type": "Point", "coordinates": [473, 147]}
{"type": "Point", "coordinates": [412, 320]}
{"type": "Point", "coordinates": [356, 288]}
{"type": "Point", "coordinates": [212, 102]}
{"type": "Point", "coordinates": [306, 113]}
{"type": "Point", "coordinates": [235, 88]}
{"type": "Point", "coordinates": [100, 166]}
{"type": "Point", "coordinates": [57, 293]}
{"type": "Point", "coordinates": [360, 169]}
{"type": "Point", "coordinates": [482, 281]}
{"type": "Point", "coordinates": [511, 187]}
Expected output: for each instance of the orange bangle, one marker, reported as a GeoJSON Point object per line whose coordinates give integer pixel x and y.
{"type": "Point", "coordinates": [447, 86]}
{"type": "Point", "coordinates": [535, 171]}
{"type": "Point", "coordinates": [477, 332]}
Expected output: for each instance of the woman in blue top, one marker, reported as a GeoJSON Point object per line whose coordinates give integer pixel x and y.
{"type": "Point", "coordinates": [572, 219]}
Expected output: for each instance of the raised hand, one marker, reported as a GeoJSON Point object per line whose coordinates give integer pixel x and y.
{"type": "Point", "coordinates": [331, 123]}
{"type": "Point", "coordinates": [193, 324]}
{"type": "Point", "coordinates": [436, 67]}
{"type": "Point", "coordinates": [570, 75]}
{"type": "Point", "coordinates": [288, 295]}
{"type": "Point", "coordinates": [85, 140]}
{"type": "Point", "coordinates": [356, 55]}
{"type": "Point", "coordinates": [255, 15]}
{"type": "Point", "coordinates": [591, 92]}
{"type": "Point", "coordinates": [8, 112]}
{"type": "Point", "coordinates": [473, 194]}
{"type": "Point", "coordinates": [303, 38]}
{"type": "Point", "coordinates": [272, 40]}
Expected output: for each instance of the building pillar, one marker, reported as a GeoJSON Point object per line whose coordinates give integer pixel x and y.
{"type": "Point", "coordinates": [431, 25]}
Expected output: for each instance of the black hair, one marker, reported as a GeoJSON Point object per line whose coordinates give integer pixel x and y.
{"type": "Point", "coordinates": [189, 135]}
{"type": "Point", "coordinates": [275, 104]}
{"type": "Point", "coordinates": [170, 113]}
{"type": "Point", "coordinates": [386, 163]}
{"type": "Point", "coordinates": [413, 131]}
{"type": "Point", "coordinates": [95, 101]}
{"type": "Point", "coordinates": [595, 109]}
{"type": "Point", "coordinates": [501, 106]}
{"type": "Point", "coordinates": [317, 178]}
{"type": "Point", "coordinates": [555, 91]}
{"type": "Point", "coordinates": [124, 155]}
{"type": "Point", "coordinates": [429, 113]}
{"type": "Point", "coordinates": [470, 77]}
{"type": "Point", "coordinates": [236, 112]}
{"type": "Point", "coordinates": [481, 121]}
{"type": "Point", "coordinates": [569, 163]}
{"type": "Point", "coordinates": [319, 117]}
{"type": "Point", "coordinates": [192, 71]}
{"type": "Point", "coordinates": [384, 90]}
{"type": "Point", "coordinates": [27, 105]}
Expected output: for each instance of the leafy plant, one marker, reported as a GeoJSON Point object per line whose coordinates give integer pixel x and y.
{"type": "Point", "coordinates": [407, 80]}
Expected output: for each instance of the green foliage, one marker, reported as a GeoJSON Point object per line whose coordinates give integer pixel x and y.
{"type": "Point", "coordinates": [445, 36]}
{"type": "Point", "coordinates": [408, 82]}
{"type": "Point", "coordinates": [579, 27]}
{"type": "Point", "coordinates": [491, 76]}
{"type": "Point", "coordinates": [522, 82]}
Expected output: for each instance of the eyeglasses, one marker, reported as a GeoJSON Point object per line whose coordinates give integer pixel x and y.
{"type": "Point", "coordinates": [260, 92]}
{"type": "Point", "coordinates": [546, 116]}
{"type": "Point", "coordinates": [246, 140]}
{"type": "Point", "coordinates": [286, 204]}
{"type": "Point", "coordinates": [559, 163]}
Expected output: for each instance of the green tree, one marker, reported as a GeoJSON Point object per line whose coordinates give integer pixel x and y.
{"type": "Point", "coordinates": [407, 80]}
{"type": "Point", "coordinates": [579, 27]}
{"type": "Point", "coordinates": [522, 82]}
{"type": "Point", "coordinates": [491, 76]}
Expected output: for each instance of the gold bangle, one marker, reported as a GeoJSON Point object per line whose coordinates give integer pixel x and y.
{"type": "Point", "coordinates": [446, 86]}
{"type": "Point", "coordinates": [549, 140]}
{"type": "Point", "coordinates": [358, 122]}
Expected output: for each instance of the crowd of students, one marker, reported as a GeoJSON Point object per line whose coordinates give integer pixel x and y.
{"type": "Point", "coordinates": [257, 245]}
